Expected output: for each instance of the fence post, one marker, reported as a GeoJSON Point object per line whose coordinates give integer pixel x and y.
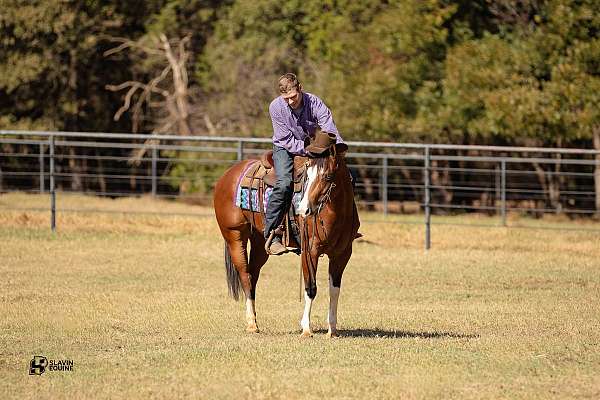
{"type": "Point", "coordinates": [42, 168]}
{"type": "Point", "coordinates": [427, 199]}
{"type": "Point", "coordinates": [240, 151]}
{"type": "Point", "coordinates": [503, 191]}
{"type": "Point", "coordinates": [154, 161]}
{"type": "Point", "coordinates": [52, 187]}
{"type": "Point", "coordinates": [384, 185]}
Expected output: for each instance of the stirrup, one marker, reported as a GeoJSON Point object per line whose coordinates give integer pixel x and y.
{"type": "Point", "coordinates": [268, 244]}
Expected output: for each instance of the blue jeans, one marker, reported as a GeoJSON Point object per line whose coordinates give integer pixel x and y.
{"type": "Point", "coordinates": [281, 196]}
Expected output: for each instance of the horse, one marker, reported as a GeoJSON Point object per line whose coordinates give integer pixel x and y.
{"type": "Point", "coordinates": [328, 224]}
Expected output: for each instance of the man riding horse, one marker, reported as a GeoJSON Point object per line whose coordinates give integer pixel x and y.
{"type": "Point", "coordinates": [326, 216]}
{"type": "Point", "coordinates": [295, 115]}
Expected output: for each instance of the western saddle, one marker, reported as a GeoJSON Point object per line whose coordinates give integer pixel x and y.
{"type": "Point", "coordinates": [264, 172]}
{"type": "Point", "coordinates": [261, 175]}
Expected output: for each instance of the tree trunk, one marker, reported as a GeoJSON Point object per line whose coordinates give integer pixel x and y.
{"type": "Point", "coordinates": [132, 178]}
{"type": "Point", "coordinates": [75, 168]}
{"type": "Point", "coordinates": [554, 185]}
{"type": "Point", "coordinates": [369, 191]}
{"type": "Point", "coordinates": [541, 175]}
{"type": "Point", "coordinates": [440, 177]}
{"type": "Point", "coordinates": [180, 107]}
{"type": "Point", "coordinates": [596, 135]}
{"type": "Point", "coordinates": [101, 178]}
{"type": "Point", "coordinates": [550, 184]}
{"type": "Point", "coordinates": [461, 176]}
{"type": "Point", "coordinates": [413, 186]}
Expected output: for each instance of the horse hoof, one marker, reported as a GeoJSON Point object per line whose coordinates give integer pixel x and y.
{"type": "Point", "coordinates": [252, 329]}
{"type": "Point", "coordinates": [332, 335]}
{"type": "Point", "coordinates": [306, 334]}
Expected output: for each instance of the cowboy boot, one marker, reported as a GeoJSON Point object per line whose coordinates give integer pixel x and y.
{"type": "Point", "coordinates": [277, 247]}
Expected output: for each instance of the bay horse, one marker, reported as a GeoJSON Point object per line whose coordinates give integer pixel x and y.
{"type": "Point", "coordinates": [328, 223]}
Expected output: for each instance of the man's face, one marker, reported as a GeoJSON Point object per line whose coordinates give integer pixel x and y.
{"type": "Point", "coordinates": [293, 98]}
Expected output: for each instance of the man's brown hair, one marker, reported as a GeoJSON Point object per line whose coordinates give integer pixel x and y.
{"type": "Point", "coordinates": [288, 82]}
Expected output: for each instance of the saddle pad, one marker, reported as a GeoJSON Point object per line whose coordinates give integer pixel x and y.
{"type": "Point", "coordinates": [247, 199]}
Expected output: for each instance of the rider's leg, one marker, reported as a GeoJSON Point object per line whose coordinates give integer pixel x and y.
{"type": "Point", "coordinates": [281, 196]}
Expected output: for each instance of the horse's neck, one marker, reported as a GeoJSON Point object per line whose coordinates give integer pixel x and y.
{"type": "Point", "coordinates": [343, 187]}
{"type": "Point", "coordinates": [342, 173]}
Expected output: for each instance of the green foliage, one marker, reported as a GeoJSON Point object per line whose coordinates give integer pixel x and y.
{"type": "Point", "coordinates": [253, 43]}
{"type": "Point", "coordinates": [190, 177]}
{"type": "Point", "coordinates": [537, 81]}
{"type": "Point", "coordinates": [366, 59]}
{"type": "Point", "coordinates": [179, 18]}
{"type": "Point", "coordinates": [505, 71]}
{"type": "Point", "coordinates": [381, 66]}
{"type": "Point", "coordinates": [52, 72]}
{"type": "Point", "coordinates": [445, 70]}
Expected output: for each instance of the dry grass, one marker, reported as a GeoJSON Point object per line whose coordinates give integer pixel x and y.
{"type": "Point", "coordinates": [139, 303]}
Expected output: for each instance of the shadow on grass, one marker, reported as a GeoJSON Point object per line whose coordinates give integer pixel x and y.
{"type": "Point", "coordinates": [382, 333]}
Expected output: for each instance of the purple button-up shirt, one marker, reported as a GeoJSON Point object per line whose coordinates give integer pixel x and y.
{"type": "Point", "coordinates": [289, 130]}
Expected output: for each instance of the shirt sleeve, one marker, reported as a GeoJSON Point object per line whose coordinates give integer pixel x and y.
{"type": "Point", "coordinates": [282, 135]}
{"type": "Point", "coordinates": [325, 118]}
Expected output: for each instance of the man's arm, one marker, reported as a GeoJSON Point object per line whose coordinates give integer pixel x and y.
{"type": "Point", "coordinates": [325, 118]}
{"type": "Point", "coordinates": [282, 135]}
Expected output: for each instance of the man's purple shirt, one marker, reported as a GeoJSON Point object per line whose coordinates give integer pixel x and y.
{"type": "Point", "coordinates": [289, 131]}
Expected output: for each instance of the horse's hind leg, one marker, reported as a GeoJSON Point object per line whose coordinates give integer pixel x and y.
{"type": "Point", "coordinates": [337, 264]}
{"type": "Point", "coordinates": [237, 241]}
{"type": "Point", "coordinates": [258, 258]}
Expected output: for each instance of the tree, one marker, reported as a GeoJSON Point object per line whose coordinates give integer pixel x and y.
{"type": "Point", "coordinates": [171, 112]}
{"type": "Point", "coordinates": [253, 43]}
{"type": "Point", "coordinates": [534, 82]}
{"type": "Point", "coordinates": [52, 71]}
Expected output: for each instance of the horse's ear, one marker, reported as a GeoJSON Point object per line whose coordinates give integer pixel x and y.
{"type": "Point", "coordinates": [341, 148]}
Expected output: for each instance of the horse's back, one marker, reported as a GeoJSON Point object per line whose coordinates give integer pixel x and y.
{"type": "Point", "coordinates": [230, 177]}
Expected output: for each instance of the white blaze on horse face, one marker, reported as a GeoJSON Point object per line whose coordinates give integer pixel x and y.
{"type": "Point", "coordinates": [334, 294]}
{"type": "Point", "coordinates": [311, 174]}
{"type": "Point", "coordinates": [305, 323]}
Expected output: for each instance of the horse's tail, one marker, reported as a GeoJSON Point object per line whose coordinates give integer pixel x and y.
{"type": "Point", "coordinates": [233, 277]}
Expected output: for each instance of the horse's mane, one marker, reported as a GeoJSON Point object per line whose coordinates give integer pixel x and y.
{"type": "Point", "coordinates": [320, 162]}
{"type": "Point", "coordinates": [325, 164]}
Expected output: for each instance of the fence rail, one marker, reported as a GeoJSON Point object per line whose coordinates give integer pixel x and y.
{"type": "Point", "coordinates": [389, 177]}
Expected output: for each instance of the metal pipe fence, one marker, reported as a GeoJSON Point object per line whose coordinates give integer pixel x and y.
{"type": "Point", "coordinates": [389, 177]}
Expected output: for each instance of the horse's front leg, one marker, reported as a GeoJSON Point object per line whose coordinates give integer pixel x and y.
{"type": "Point", "coordinates": [337, 264]}
{"type": "Point", "coordinates": [334, 295]}
{"type": "Point", "coordinates": [309, 272]}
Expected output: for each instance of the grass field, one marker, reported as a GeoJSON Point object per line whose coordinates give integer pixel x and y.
{"type": "Point", "coordinates": [139, 303]}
